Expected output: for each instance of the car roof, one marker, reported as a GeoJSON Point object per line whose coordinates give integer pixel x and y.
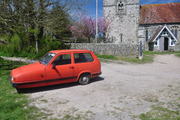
{"type": "Point", "coordinates": [67, 51]}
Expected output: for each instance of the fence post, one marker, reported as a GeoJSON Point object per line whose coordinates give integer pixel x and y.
{"type": "Point", "coordinates": [140, 50]}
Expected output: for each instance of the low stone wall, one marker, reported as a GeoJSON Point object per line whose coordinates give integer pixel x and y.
{"type": "Point", "coordinates": [177, 47]}
{"type": "Point", "coordinates": [108, 48]}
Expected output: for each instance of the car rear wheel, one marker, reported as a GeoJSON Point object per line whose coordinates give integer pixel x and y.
{"type": "Point", "coordinates": [84, 79]}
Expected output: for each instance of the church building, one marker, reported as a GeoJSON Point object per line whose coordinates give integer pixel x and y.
{"type": "Point", "coordinates": [156, 25]}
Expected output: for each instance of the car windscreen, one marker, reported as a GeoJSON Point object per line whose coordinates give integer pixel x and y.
{"type": "Point", "coordinates": [47, 58]}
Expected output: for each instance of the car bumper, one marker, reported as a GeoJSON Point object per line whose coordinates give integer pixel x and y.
{"type": "Point", "coordinates": [12, 83]}
{"type": "Point", "coordinates": [97, 74]}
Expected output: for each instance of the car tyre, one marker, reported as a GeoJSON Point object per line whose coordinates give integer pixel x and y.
{"type": "Point", "coordinates": [84, 79]}
{"type": "Point", "coordinates": [19, 90]}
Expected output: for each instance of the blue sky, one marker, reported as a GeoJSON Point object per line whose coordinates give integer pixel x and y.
{"type": "Point", "coordinates": [90, 8]}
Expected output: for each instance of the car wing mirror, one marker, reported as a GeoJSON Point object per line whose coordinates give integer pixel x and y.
{"type": "Point", "coordinates": [53, 65]}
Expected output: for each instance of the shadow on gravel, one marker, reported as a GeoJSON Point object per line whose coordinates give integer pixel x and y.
{"type": "Point", "coordinates": [53, 87]}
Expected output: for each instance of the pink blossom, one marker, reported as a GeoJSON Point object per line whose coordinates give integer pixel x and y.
{"type": "Point", "coordinates": [86, 27]}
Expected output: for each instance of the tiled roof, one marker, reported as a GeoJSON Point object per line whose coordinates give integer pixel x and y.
{"type": "Point", "coordinates": [156, 33]}
{"type": "Point", "coordinates": [160, 13]}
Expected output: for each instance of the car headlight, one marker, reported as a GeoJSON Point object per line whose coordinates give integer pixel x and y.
{"type": "Point", "coordinates": [12, 79]}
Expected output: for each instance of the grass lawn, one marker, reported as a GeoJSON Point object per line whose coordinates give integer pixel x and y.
{"type": "Point", "coordinates": [110, 57]}
{"type": "Point", "coordinates": [146, 58]}
{"type": "Point", "coordinates": [177, 54]}
{"type": "Point", "coordinates": [13, 106]}
{"type": "Point", "coordinates": [160, 53]}
{"type": "Point", "coordinates": [160, 113]}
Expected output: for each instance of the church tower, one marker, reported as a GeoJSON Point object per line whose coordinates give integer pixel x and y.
{"type": "Point", "coordinates": [123, 19]}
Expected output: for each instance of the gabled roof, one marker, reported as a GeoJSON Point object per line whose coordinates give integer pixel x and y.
{"type": "Point", "coordinates": [160, 13]}
{"type": "Point", "coordinates": [159, 31]}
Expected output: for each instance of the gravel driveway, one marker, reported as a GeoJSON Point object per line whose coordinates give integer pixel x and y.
{"type": "Point", "coordinates": [122, 92]}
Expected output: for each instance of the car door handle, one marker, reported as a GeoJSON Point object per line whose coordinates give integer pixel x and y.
{"type": "Point", "coordinates": [71, 67]}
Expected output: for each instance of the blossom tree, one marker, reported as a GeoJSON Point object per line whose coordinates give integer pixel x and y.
{"type": "Point", "coordinates": [103, 26]}
{"type": "Point", "coordinates": [85, 28]}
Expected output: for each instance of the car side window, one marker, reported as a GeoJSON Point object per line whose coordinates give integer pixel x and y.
{"type": "Point", "coordinates": [83, 57]}
{"type": "Point", "coordinates": [63, 59]}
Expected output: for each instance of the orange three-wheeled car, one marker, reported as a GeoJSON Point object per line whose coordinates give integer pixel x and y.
{"type": "Point", "coordinates": [57, 67]}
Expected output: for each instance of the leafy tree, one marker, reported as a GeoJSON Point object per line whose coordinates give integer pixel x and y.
{"type": "Point", "coordinates": [33, 22]}
{"type": "Point", "coordinates": [57, 19]}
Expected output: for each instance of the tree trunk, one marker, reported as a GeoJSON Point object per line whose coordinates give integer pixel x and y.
{"type": "Point", "coordinates": [89, 40]}
{"type": "Point", "coordinates": [37, 50]}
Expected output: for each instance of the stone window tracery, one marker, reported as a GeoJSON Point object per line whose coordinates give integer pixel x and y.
{"type": "Point", "coordinates": [121, 7]}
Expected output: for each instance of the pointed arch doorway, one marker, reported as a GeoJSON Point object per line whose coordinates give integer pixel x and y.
{"type": "Point", "coordinates": [166, 43]}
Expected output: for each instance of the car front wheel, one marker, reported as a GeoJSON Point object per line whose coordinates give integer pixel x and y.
{"type": "Point", "coordinates": [19, 90]}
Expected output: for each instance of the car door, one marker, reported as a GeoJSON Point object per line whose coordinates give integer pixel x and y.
{"type": "Point", "coordinates": [84, 63]}
{"type": "Point", "coordinates": [63, 71]}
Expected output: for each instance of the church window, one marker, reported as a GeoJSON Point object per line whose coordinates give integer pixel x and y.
{"type": "Point", "coordinates": [121, 7]}
{"type": "Point", "coordinates": [165, 33]}
{"type": "Point", "coordinates": [172, 43]}
{"type": "Point", "coordinates": [155, 43]}
{"type": "Point", "coordinates": [121, 37]}
{"type": "Point", "coordinates": [175, 33]}
{"type": "Point", "coordinates": [147, 34]}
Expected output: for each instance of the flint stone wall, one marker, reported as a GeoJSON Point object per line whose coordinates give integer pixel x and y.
{"type": "Point", "coordinates": [108, 48]}
{"type": "Point", "coordinates": [122, 28]}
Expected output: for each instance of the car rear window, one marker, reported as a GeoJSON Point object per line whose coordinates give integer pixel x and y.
{"type": "Point", "coordinates": [83, 57]}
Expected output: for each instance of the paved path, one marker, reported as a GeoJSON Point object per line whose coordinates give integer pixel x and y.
{"type": "Point", "coordinates": [122, 93]}
{"type": "Point", "coordinates": [18, 59]}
